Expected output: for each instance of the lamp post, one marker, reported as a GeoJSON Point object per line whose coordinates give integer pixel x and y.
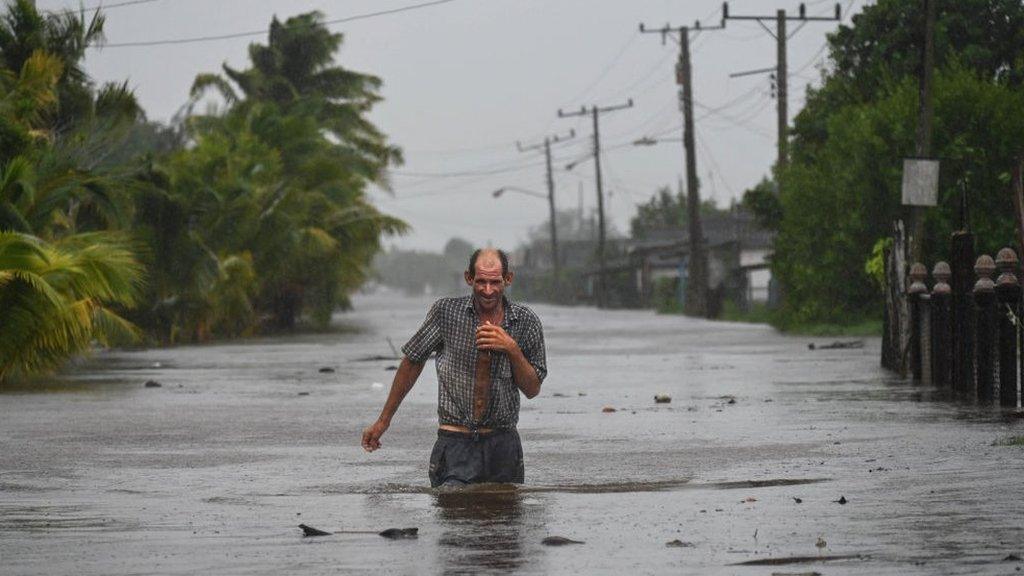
{"type": "Point", "coordinates": [551, 206]}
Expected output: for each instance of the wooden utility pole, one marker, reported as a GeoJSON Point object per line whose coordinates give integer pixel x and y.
{"type": "Point", "coordinates": [696, 296]}
{"type": "Point", "coordinates": [548, 141]}
{"type": "Point", "coordinates": [923, 137]}
{"type": "Point", "coordinates": [595, 112]}
{"type": "Point", "coordinates": [782, 88]}
{"type": "Point", "coordinates": [781, 68]}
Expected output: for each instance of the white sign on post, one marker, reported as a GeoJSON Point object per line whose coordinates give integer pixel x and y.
{"type": "Point", "coordinates": [920, 182]}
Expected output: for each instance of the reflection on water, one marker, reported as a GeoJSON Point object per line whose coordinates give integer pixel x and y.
{"type": "Point", "coordinates": [483, 529]}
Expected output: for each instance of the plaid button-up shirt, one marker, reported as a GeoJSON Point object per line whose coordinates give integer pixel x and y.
{"type": "Point", "coordinates": [450, 331]}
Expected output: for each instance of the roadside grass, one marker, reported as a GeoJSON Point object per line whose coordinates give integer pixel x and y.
{"type": "Point", "coordinates": [1011, 441]}
{"type": "Point", "coordinates": [757, 314]}
{"type": "Point", "coordinates": [862, 329]}
{"type": "Point", "coordinates": [761, 314]}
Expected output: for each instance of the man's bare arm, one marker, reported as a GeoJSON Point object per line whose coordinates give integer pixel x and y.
{"type": "Point", "coordinates": [491, 337]}
{"type": "Point", "coordinates": [405, 378]}
{"type": "Point", "coordinates": [523, 373]}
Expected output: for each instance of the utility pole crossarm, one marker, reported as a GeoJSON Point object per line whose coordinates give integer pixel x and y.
{"type": "Point", "coordinates": [554, 139]}
{"type": "Point", "coordinates": [801, 15]}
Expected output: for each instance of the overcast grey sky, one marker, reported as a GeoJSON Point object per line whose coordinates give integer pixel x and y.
{"type": "Point", "coordinates": [463, 81]}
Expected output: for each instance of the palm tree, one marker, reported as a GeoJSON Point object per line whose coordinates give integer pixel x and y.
{"type": "Point", "coordinates": [281, 173]}
{"type": "Point", "coordinates": [60, 289]}
{"type": "Point", "coordinates": [296, 68]}
{"type": "Point", "coordinates": [59, 298]}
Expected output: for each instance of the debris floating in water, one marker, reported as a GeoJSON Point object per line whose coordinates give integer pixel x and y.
{"type": "Point", "coordinates": [377, 386]}
{"type": "Point", "coordinates": [400, 533]}
{"type": "Point", "coordinates": [390, 533]}
{"type": "Point", "coordinates": [608, 409]}
{"type": "Point", "coordinates": [662, 399]}
{"type": "Point", "coordinates": [152, 384]}
{"type": "Point", "coordinates": [677, 543]}
{"type": "Point", "coordinates": [303, 393]}
{"type": "Point", "coordinates": [837, 345]}
{"type": "Point", "coordinates": [327, 370]}
{"type": "Point", "coordinates": [310, 531]}
{"type": "Point", "coordinates": [559, 541]}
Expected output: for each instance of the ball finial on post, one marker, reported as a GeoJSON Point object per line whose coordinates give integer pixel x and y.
{"type": "Point", "coordinates": [984, 267]}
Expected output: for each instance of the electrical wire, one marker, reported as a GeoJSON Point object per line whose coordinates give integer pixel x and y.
{"type": "Point", "coordinates": [105, 7]}
{"type": "Point", "coordinates": [263, 31]}
{"type": "Point", "coordinates": [608, 68]}
{"type": "Point", "coordinates": [714, 163]}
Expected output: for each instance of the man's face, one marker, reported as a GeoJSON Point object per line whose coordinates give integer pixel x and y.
{"type": "Point", "coordinates": [488, 283]}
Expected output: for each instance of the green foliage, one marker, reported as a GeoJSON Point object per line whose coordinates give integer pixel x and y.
{"type": "Point", "coordinates": [839, 205]}
{"type": "Point", "coordinates": [59, 297]}
{"type": "Point", "coordinates": [65, 273]}
{"type": "Point", "coordinates": [875, 266]}
{"type": "Point", "coordinates": [262, 219]}
{"type": "Point", "coordinates": [255, 216]}
{"type": "Point", "coordinates": [841, 189]}
{"type": "Point", "coordinates": [758, 313]}
{"type": "Point", "coordinates": [1009, 441]}
{"type": "Point", "coordinates": [763, 202]}
{"type": "Point", "coordinates": [665, 296]}
{"type": "Point", "coordinates": [665, 210]}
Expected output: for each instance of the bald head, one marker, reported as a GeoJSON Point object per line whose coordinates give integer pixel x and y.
{"type": "Point", "coordinates": [489, 259]}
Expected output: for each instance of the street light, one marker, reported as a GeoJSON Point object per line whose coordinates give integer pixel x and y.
{"type": "Point", "coordinates": [551, 204]}
{"type": "Point", "coordinates": [504, 189]}
{"type": "Point", "coordinates": [649, 141]}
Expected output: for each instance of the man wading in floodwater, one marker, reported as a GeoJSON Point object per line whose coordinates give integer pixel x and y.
{"type": "Point", "coordinates": [488, 349]}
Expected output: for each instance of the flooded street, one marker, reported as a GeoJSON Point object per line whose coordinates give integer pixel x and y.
{"type": "Point", "coordinates": [213, 471]}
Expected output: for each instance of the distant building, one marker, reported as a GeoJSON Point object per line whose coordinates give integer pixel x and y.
{"type": "Point", "coordinates": [738, 254]}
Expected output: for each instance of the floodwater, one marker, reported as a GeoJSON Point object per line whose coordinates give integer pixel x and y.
{"type": "Point", "coordinates": [213, 471]}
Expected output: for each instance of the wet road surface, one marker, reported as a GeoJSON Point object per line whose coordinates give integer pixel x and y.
{"type": "Point", "coordinates": [213, 471]}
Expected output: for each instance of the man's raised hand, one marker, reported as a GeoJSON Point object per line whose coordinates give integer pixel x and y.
{"type": "Point", "coordinates": [491, 337]}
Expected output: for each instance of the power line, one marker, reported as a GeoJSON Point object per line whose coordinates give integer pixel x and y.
{"type": "Point", "coordinates": [714, 163]}
{"type": "Point", "coordinates": [635, 86]}
{"type": "Point", "coordinates": [175, 41]}
{"type": "Point", "coordinates": [104, 6]}
{"type": "Point", "coordinates": [608, 68]}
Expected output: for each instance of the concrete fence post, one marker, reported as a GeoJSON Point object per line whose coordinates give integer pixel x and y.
{"type": "Point", "coordinates": [1008, 292]}
{"type": "Point", "coordinates": [915, 293]}
{"type": "Point", "coordinates": [941, 326]}
{"type": "Point", "coordinates": [985, 329]}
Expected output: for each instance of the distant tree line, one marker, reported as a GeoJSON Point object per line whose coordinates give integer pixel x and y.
{"type": "Point", "coordinates": [417, 272]}
{"type": "Point", "coordinates": [252, 216]}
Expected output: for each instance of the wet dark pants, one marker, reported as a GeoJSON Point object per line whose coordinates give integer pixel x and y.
{"type": "Point", "coordinates": [461, 458]}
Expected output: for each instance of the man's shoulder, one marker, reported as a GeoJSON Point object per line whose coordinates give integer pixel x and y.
{"type": "Point", "coordinates": [524, 312]}
{"type": "Point", "coordinates": [450, 303]}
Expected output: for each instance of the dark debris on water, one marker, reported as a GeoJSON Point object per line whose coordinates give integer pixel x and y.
{"type": "Point", "coordinates": [559, 541]}
{"type": "Point", "coordinates": [389, 533]}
